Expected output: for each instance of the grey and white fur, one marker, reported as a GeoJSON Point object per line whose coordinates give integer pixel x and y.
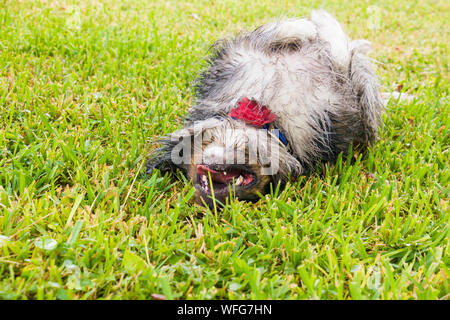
{"type": "Point", "coordinates": [317, 81]}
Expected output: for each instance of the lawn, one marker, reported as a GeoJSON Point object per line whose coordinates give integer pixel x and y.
{"type": "Point", "coordinates": [87, 87]}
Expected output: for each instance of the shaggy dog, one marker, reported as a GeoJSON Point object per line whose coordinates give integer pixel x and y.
{"type": "Point", "coordinates": [273, 103]}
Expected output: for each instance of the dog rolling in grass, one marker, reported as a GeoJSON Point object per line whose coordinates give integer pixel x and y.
{"type": "Point", "coordinates": [273, 103]}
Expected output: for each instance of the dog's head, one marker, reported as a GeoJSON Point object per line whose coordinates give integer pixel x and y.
{"type": "Point", "coordinates": [224, 156]}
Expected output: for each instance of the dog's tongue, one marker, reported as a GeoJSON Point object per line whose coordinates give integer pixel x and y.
{"type": "Point", "coordinates": [217, 176]}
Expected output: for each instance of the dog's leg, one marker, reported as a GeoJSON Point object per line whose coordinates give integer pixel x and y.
{"type": "Point", "coordinates": [321, 25]}
{"type": "Point", "coordinates": [289, 30]}
{"type": "Point", "coordinates": [329, 30]}
{"type": "Point", "coordinates": [365, 87]}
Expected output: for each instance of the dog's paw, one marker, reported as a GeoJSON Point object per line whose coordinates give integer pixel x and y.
{"type": "Point", "coordinates": [289, 30]}
{"type": "Point", "coordinates": [330, 30]}
{"type": "Point", "coordinates": [301, 29]}
{"type": "Point", "coordinates": [361, 46]}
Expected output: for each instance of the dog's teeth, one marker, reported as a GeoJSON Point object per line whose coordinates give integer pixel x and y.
{"type": "Point", "coordinates": [239, 180]}
{"type": "Point", "coordinates": [224, 173]}
{"type": "Point", "coordinates": [204, 179]}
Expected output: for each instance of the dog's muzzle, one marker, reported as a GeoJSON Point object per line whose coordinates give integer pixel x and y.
{"type": "Point", "coordinates": [219, 177]}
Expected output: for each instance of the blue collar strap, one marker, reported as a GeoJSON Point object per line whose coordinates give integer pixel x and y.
{"type": "Point", "coordinates": [281, 135]}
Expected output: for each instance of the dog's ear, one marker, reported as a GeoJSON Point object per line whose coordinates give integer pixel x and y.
{"type": "Point", "coordinates": [175, 152]}
{"type": "Point", "coordinates": [161, 159]}
{"type": "Point", "coordinates": [177, 148]}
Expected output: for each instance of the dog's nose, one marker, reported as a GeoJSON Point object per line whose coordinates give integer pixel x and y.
{"type": "Point", "coordinates": [217, 154]}
{"type": "Point", "coordinates": [214, 154]}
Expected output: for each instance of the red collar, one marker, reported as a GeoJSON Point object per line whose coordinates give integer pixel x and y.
{"type": "Point", "coordinates": [252, 113]}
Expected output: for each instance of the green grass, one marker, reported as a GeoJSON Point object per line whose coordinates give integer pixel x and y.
{"type": "Point", "coordinates": [87, 86]}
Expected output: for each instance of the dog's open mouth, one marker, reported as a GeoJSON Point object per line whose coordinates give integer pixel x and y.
{"type": "Point", "coordinates": [223, 176]}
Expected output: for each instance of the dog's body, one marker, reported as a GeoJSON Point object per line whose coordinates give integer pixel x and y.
{"type": "Point", "coordinates": [303, 77]}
